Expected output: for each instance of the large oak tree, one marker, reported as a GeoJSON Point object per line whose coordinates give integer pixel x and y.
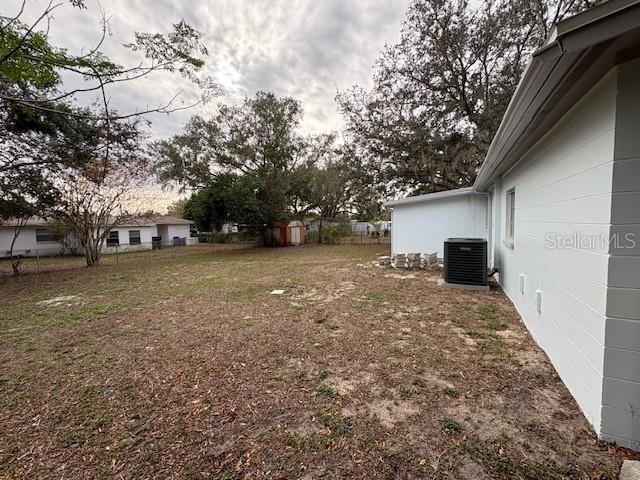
{"type": "Point", "coordinates": [439, 93]}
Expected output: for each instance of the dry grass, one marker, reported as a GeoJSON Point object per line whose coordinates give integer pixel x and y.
{"type": "Point", "coordinates": [185, 367]}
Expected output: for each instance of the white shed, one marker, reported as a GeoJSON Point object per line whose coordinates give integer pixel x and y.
{"type": "Point", "coordinates": [422, 223]}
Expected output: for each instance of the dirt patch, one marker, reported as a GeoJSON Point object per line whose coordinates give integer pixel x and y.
{"type": "Point", "coordinates": [329, 294]}
{"type": "Point", "coordinates": [485, 420]}
{"type": "Point", "coordinates": [67, 300]}
{"type": "Point", "coordinates": [345, 386]}
{"type": "Point", "coordinates": [388, 412]}
{"type": "Point", "coordinates": [532, 359]}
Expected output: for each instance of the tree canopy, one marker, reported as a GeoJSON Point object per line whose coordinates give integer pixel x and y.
{"type": "Point", "coordinates": [254, 149]}
{"type": "Point", "coordinates": [73, 162]}
{"type": "Point", "coordinates": [439, 93]}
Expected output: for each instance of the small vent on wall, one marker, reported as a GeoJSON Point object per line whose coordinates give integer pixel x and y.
{"type": "Point", "coordinates": [522, 283]}
{"type": "Point", "coordinates": [539, 301]}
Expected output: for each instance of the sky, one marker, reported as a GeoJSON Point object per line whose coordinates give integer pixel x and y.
{"type": "Point", "coordinates": [306, 49]}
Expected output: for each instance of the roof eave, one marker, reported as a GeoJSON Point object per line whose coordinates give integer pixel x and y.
{"type": "Point", "coordinates": [569, 42]}
{"type": "Point", "coordinates": [429, 197]}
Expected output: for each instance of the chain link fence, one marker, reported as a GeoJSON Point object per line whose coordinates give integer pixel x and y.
{"type": "Point", "coordinates": [49, 259]}
{"type": "Point", "coordinates": [366, 240]}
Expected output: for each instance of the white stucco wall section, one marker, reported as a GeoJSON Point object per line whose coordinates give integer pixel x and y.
{"type": "Point", "coordinates": [26, 241]}
{"type": "Point", "coordinates": [423, 227]}
{"type": "Point", "coordinates": [167, 232]}
{"type": "Point", "coordinates": [146, 234]}
{"type": "Point", "coordinates": [563, 186]}
{"type": "Point", "coordinates": [621, 390]}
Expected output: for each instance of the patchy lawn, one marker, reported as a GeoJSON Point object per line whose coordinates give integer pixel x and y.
{"type": "Point", "coordinates": [184, 366]}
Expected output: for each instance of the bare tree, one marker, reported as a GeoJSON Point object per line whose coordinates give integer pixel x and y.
{"type": "Point", "coordinates": [16, 259]}
{"type": "Point", "coordinates": [96, 200]}
{"type": "Point", "coordinates": [33, 67]}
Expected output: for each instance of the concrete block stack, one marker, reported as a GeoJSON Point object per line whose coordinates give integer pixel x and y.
{"type": "Point", "coordinates": [384, 261]}
{"type": "Point", "coordinates": [431, 259]}
{"type": "Point", "coordinates": [400, 260]}
{"type": "Point", "coordinates": [413, 260]}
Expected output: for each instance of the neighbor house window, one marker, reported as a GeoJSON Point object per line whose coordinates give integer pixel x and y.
{"type": "Point", "coordinates": [113, 239]}
{"type": "Point", "coordinates": [45, 235]}
{"type": "Point", "coordinates": [134, 237]}
{"type": "Point", "coordinates": [511, 215]}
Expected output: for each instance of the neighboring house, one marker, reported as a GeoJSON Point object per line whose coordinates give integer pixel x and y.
{"type": "Point", "coordinates": [314, 225]}
{"type": "Point", "coordinates": [39, 237]}
{"type": "Point", "coordinates": [229, 228]}
{"type": "Point", "coordinates": [383, 226]}
{"type": "Point", "coordinates": [172, 229]}
{"type": "Point", "coordinates": [362, 228]}
{"type": "Point", "coordinates": [558, 199]}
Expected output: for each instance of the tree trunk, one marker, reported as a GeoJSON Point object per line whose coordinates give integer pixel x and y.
{"type": "Point", "coordinates": [15, 264]}
{"type": "Point", "coordinates": [92, 252]}
{"type": "Point", "coordinates": [16, 261]}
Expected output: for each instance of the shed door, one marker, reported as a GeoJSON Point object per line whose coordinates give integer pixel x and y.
{"type": "Point", "coordinates": [295, 235]}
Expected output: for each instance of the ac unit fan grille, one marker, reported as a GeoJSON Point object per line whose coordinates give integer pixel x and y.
{"type": "Point", "coordinates": [465, 261]}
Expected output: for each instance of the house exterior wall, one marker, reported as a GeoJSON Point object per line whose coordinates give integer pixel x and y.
{"type": "Point", "coordinates": [362, 228]}
{"type": "Point", "coordinates": [146, 234]}
{"type": "Point", "coordinates": [423, 227]}
{"type": "Point", "coordinates": [563, 185]}
{"type": "Point", "coordinates": [26, 243]}
{"type": "Point", "coordinates": [167, 232]}
{"type": "Point", "coordinates": [621, 389]}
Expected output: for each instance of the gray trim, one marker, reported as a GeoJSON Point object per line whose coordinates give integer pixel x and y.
{"type": "Point", "coordinates": [579, 53]}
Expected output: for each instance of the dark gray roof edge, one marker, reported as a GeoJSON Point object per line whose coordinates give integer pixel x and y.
{"type": "Point", "coordinates": [574, 34]}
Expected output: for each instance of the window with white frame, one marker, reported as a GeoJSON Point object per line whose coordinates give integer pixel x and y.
{"type": "Point", "coordinates": [134, 237]}
{"type": "Point", "coordinates": [511, 215]}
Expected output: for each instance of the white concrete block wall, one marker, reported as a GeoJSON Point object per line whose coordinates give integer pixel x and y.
{"type": "Point", "coordinates": [621, 390]}
{"type": "Point", "coordinates": [423, 227]}
{"type": "Point", "coordinates": [563, 186]}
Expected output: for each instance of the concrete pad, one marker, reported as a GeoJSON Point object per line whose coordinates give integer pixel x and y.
{"type": "Point", "coordinates": [460, 286]}
{"type": "Point", "coordinates": [630, 470]}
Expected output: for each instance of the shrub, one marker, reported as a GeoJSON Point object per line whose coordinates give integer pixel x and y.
{"type": "Point", "coordinates": [332, 234]}
{"type": "Point", "coordinates": [450, 426]}
{"type": "Point", "coordinates": [326, 390]}
{"type": "Point", "coordinates": [311, 237]}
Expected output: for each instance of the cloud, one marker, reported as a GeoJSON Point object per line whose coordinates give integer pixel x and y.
{"type": "Point", "coordinates": [307, 49]}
